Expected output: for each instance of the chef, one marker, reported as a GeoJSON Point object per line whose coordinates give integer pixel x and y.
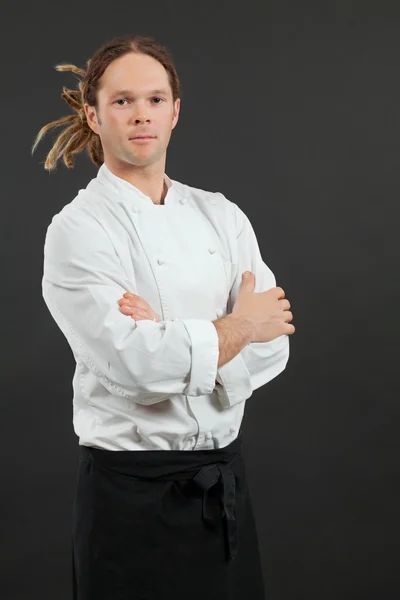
{"type": "Point", "coordinates": [146, 278]}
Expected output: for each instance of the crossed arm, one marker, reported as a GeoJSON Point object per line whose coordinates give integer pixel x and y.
{"type": "Point", "coordinates": [137, 308]}
{"type": "Point", "coordinates": [82, 296]}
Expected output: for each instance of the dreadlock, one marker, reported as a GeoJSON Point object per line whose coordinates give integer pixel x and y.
{"type": "Point", "coordinates": [78, 135]}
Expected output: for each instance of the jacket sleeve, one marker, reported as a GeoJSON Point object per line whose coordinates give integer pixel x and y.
{"type": "Point", "coordinates": [143, 361]}
{"type": "Point", "coordinates": [258, 362]}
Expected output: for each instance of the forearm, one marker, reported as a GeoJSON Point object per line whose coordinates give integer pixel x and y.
{"type": "Point", "coordinates": [233, 335]}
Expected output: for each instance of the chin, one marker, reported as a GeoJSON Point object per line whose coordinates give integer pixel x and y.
{"type": "Point", "coordinates": [136, 161]}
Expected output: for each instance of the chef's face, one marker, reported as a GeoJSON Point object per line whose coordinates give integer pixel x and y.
{"type": "Point", "coordinates": [134, 99]}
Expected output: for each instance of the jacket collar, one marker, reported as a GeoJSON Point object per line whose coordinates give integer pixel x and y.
{"type": "Point", "coordinates": [124, 188]}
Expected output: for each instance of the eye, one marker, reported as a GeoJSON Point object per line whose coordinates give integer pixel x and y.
{"type": "Point", "coordinates": [157, 98]}
{"type": "Point", "coordinates": [120, 100]}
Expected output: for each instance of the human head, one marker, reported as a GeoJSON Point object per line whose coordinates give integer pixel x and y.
{"type": "Point", "coordinates": [79, 134]}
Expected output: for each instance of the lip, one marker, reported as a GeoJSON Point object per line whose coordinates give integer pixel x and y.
{"type": "Point", "coordinates": [143, 137]}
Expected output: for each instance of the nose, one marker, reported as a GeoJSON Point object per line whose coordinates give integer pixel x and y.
{"type": "Point", "coordinates": [142, 119]}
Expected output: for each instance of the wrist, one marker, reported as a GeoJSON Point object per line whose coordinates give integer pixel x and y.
{"type": "Point", "coordinates": [244, 325]}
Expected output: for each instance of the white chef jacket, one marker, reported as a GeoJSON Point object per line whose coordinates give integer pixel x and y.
{"type": "Point", "coordinates": [143, 385]}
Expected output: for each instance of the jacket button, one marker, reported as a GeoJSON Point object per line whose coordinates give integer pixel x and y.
{"type": "Point", "coordinates": [211, 250]}
{"type": "Point", "coordinates": [182, 200]}
{"type": "Point", "coordinates": [219, 312]}
{"type": "Point", "coordinates": [208, 436]}
{"type": "Point", "coordinates": [160, 261]}
{"type": "Point", "coordinates": [233, 429]}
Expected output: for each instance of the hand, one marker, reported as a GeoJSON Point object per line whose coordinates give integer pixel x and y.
{"type": "Point", "coordinates": [137, 308]}
{"type": "Point", "coordinates": [267, 313]}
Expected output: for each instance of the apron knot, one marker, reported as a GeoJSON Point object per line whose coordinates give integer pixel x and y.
{"type": "Point", "coordinates": [205, 479]}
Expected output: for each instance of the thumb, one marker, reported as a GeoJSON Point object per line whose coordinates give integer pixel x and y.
{"type": "Point", "coordinates": [248, 280]}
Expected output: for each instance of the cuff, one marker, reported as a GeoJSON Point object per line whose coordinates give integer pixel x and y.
{"type": "Point", "coordinates": [205, 354]}
{"type": "Point", "coordinates": [236, 381]}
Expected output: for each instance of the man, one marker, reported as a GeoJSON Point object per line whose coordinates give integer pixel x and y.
{"type": "Point", "coordinates": [143, 275]}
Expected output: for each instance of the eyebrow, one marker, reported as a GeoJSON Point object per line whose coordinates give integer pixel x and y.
{"type": "Point", "coordinates": [129, 93]}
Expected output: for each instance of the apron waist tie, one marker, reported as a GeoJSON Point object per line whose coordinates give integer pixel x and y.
{"type": "Point", "coordinates": [205, 479]}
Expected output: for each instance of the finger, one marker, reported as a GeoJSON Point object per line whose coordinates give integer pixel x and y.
{"type": "Point", "coordinates": [129, 297]}
{"type": "Point", "coordinates": [128, 309]}
{"type": "Point", "coordinates": [134, 300]}
{"type": "Point", "coordinates": [133, 306]}
{"type": "Point", "coordinates": [135, 312]}
{"type": "Point", "coordinates": [123, 301]}
{"type": "Point", "coordinates": [138, 300]}
{"type": "Point", "coordinates": [141, 315]}
{"type": "Point", "coordinates": [128, 302]}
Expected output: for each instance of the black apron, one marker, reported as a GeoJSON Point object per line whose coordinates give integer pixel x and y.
{"type": "Point", "coordinates": [164, 525]}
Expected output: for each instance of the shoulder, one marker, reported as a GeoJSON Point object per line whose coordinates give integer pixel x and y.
{"type": "Point", "coordinates": [77, 224]}
{"type": "Point", "coordinates": [213, 201]}
{"type": "Point", "coordinates": [201, 196]}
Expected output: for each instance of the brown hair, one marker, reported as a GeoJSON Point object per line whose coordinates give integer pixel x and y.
{"type": "Point", "coordinates": [78, 135]}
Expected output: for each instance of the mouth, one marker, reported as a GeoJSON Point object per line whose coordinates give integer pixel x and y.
{"type": "Point", "coordinates": [143, 137]}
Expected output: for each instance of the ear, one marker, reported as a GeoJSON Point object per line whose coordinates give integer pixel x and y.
{"type": "Point", "coordinates": [177, 106]}
{"type": "Point", "coordinates": [91, 117]}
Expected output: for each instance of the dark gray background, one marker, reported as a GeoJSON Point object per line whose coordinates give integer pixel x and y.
{"type": "Point", "coordinates": [291, 109]}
